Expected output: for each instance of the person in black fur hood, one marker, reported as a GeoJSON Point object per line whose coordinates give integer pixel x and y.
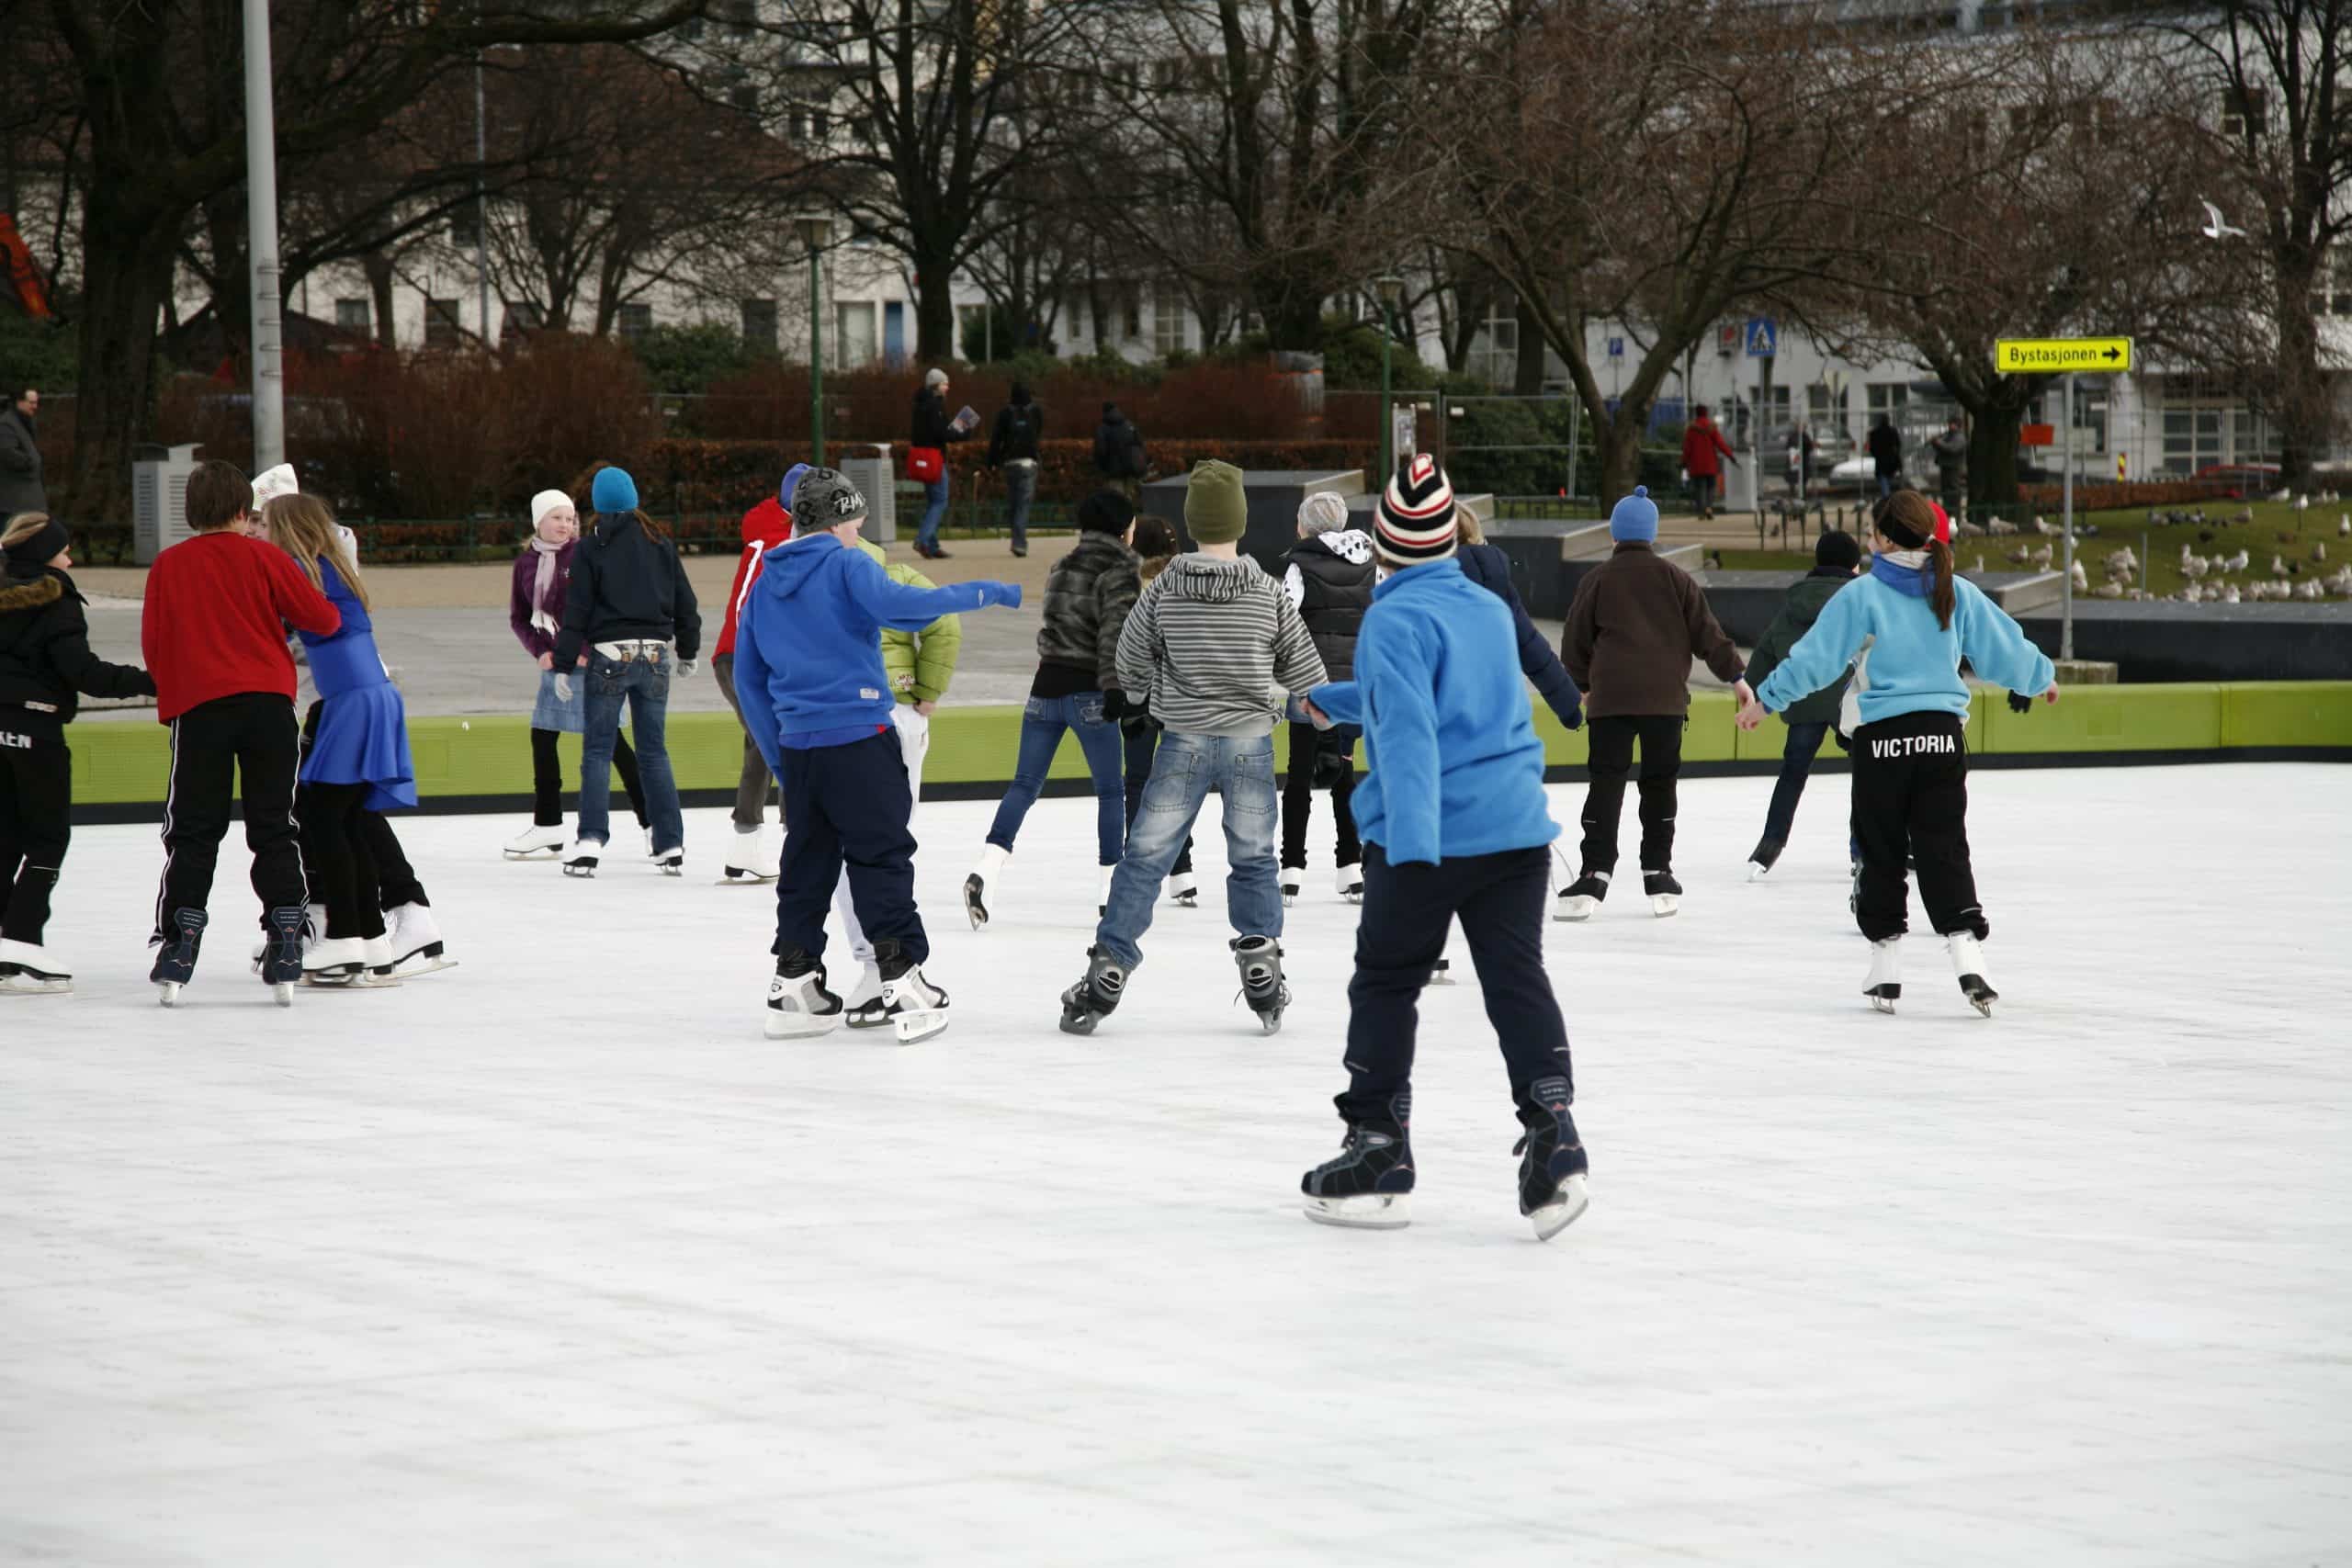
{"type": "Point", "coordinates": [1329, 575]}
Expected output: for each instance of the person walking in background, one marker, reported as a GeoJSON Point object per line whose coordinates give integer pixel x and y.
{"type": "Point", "coordinates": [1704, 452]}
{"type": "Point", "coordinates": [1012, 448]}
{"type": "Point", "coordinates": [765, 527]}
{"type": "Point", "coordinates": [1887, 455]}
{"type": "Point", "coordinates": [213, 631]}
{"type": "Point", "coordinates": [1800, 461]}
{"type": "Point", "coordinates": [1910, 620]}
{"type": "Point", "coordinates": [1951, 451]}
{"type": "Point", "coordinates": [1328, 575]}
{"type": "Point", "coordinates": [934, 431]}
{"type": "Point", "coordinates": [1119, 455]}
{"type": "Point", "coordinates": [1088, 595]}
{"type": "Point", "coordinates": [810, 674]}
{"type": "Point", "coordinates": [46, 667]}
{"type": "Point", "coordinates": [1154, 543]}
{"type": "Point", "coordinates": [1836, 557]}
{"type": "Point", "coordinates": [1487, 566]}
{"type": "Point", "coordinates": [629, 614]}
{"type": "Point", "coordinates": [535, 604]}
{"type": "Point", "coordinates": [1635, 623]}
{"type": "Point", "coordinates": [1209, 645]}
{"type": "Point", "coordinates": [1455, 825]}
{"type": "Point", "coordinates": [20, 486]}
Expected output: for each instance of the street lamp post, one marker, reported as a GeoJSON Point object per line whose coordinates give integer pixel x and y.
{"type": "Point", "coordinates": [816, 231]}
{"type": "Point", "coordinates": [1392, 290]}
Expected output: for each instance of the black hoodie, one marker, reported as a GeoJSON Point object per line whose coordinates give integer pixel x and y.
{"type": "Point", "coordinates": [626, 586]}
{"type": "Point", "coordinates": [45, 656]}
{"type": "Point", "coordinates": [1119, 446]}
{"type": "Point", "coordinates": [1018, 425]}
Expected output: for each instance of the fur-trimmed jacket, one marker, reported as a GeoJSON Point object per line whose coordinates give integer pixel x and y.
{"type": "Point", "coordinates": [45, 658]}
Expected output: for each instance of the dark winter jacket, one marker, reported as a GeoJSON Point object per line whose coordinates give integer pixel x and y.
{"type": "Point", "coordinates": [1886, 451]}
{"type": "Point", "coordinates": [1018, 425]}
{"type": "Point", "coordinates": [20, 487]}
{"type": "Point", "coordinates": [1088, 596]}
{"type": "Point", "coordinates": [626, 585]}
{"type": "Point", "coordinates": [931, 426]}
{"type": "Point", "coordinates": [1952, 455]}
{"type": "Point", "coordinates": [1330, 578]}
{"type": "Point", "coordinates": [1638, 621]}
{"type": "Point", "coordinates": [1487, 566]}
{"type": "Point", "coordinates": [45, 657]}
{"type": "Point", "coordinates": [1118, 446]}
{"type": "Point", "coordinates": [1795, 618]}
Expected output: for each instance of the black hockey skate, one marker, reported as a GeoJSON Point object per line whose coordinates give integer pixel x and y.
{"type": "Point", "coordinates": [1579, 898]}
{"type": "Point", "coordinates": [175, 954]}
{"type": "Point", "coordinates": [1763, 858]}
{"type": "Point", "coordinates": [1096, 997]}
{"type": "Point", "coordinates": [281, 959]}
{"type": "Point", "coordinates": [1665, 892]}
{"type": "Point", "coordinates": [1553, 1164]}
{"type": "Point", "coordinates": [798, 1004]}
{"type": "Point", "coordinates": [917, 1009]}
{"type": "Point", "coordinates": [1259, 959]}
{"type": "Point", "coordinates": [1369, 1184]}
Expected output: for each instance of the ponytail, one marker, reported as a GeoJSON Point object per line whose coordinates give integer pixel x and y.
{"type": "Point", "coordinates": [1904, 517]}
{"type": "Point", "coordinates": [1940, 596]}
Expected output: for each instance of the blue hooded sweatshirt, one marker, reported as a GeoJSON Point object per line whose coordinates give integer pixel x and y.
{"type": "Point", "coordinates": [1912, 665]}
{"type": "Point", "coordinates": [807, 644]}
{"type": "Point", "coordinates": [1456, 768]}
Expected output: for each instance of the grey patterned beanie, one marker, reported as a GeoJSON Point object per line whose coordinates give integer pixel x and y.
{"type": "Point", "coordinates": [824, 501]}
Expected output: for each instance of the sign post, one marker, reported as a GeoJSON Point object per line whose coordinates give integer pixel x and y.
{"type": "Point", "coordinates": [2068, 356]}
{"type": "Point", "coordinates": [1762, 337]}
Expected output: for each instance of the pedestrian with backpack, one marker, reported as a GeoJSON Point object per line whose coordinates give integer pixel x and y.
{"type": "Point", "coordinates": [1013, 448]}
{"type": "Point", "coordinates": [1119, 454]}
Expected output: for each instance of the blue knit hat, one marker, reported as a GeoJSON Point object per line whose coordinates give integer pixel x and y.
{"type": "Point", "coordinates": [1634, 517]}
{"type": "Point", "coordinates": [785, 492]}
{"type": "Point", "coordinates": [614, 491]}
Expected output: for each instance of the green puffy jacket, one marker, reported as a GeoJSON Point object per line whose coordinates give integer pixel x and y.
{"type": "Point", "coordinates": [920, 664]}
{"type": "Point", "coordinates": [1795, 618]}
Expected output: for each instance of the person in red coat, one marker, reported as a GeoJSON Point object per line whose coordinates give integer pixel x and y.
{"type": "Point", "coordinates": [1704, 451]}
{"type": "Point", "coordinates": [765, 527]}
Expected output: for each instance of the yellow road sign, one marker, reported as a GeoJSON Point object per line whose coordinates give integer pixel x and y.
{"type": "Point", "coordinates": [2050, 355]}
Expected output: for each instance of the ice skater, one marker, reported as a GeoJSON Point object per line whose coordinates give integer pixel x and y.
{"type": "Point", "coordinates": [1837, 557]}
{"type": "Point", "coordinates": [1635, 623]}
{"type": "Point", "coordinates": [809, 677]}
{"type": "Point", "coordinates": [1154, 543]}
{"type": "Point", "coordinates": [1906, 625]}
{"type": "Point", "coordinates": [765, 527]}
{"type": "Point", "coordinates": [1455, 824]}
{"type": "Point", "coordinates": [1211, 643]}
{"type": "Point", "coordinates": [1328, 575]}
{"type": "Point", "coordinates": [46, 668]}
{"type": "Point", "coordinates": [1088, 595]}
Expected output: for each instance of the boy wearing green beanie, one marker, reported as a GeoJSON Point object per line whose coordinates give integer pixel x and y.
{"type": "Point", "coordinates": [1215, 648]}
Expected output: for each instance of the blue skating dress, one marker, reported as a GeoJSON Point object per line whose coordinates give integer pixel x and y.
{"type": "Point", "coordinates": [363, 723]}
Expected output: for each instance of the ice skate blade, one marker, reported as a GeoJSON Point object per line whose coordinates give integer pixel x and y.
{"type": "Point", "coordinates": [736, 877]}
{"type": "Point", "coordinates": [584, 872]}
{"type": "Point", "coordinates": [282, 993]}
{"type": "Point", "coordinates": [1187, 900]}
{"type": "Point", "coordinates": [976, 908]}
{"type": "Point", "coordinates": [1883, 997]}
{"type": "Point", "coordinates": [915, 1028]}
{"type": "Point", "coordinates": [1368, 1212]}
{"type": "Point", "coordinates": [1758, 870]}
{"type": "Point", "coordinates": [1662, 905]}
{"type": "Point", "coordinates": [23, 985]}
{"type": "Point", "coordinates": [530, 855]}
{"type": "Point", "coordinates": [1441, 974]}
{"type": "Point", "coordinates": [421, 964]}
{"type": "Point", "coordinates": [1567, 1205]}
{"type": "Point", "coordinates": [1576, 906]}
{"type": "Point", "coordinates": [857, 1018]}
{"type": "Point", "coordinates": [334, 978]}
{"type": "Point", "coordinates": [784, 1025]}
{"type": "Point", "coordinates": [169, 992]}
{"type": "Point", "coordinates": [1980, 996]}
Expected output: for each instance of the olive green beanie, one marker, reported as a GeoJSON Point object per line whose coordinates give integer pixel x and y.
{"type": "Point", "coordinates": [1215, 511]}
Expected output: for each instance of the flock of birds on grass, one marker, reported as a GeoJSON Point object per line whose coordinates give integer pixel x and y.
{"type": "Point", "coordinates": [2207, 577]}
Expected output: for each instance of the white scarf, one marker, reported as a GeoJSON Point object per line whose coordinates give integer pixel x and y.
{"type": "Point", "coordinates": [542, 585]}
{"type": "Point", "coordinates": [1916, 559]}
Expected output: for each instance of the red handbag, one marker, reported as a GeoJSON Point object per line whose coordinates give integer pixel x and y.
{"type": "Point", "coordinates": [925, 464]}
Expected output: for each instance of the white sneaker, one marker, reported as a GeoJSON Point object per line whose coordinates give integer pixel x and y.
{"type": "Point", "coordinates": [1885, 982]}
{"type": "Point", "coordinates": [335, 961]}
{"type": "Point", "coordinates": [417, 945]}
{"type": "Point", "coordinates": [1291, 880]}
{"type": "Point", "coordinates": [1968, 966]}
{"type": "Point", "coordinates": [535, 842]}
{"type": "Point", "coordinates": [28, 969]}
{"type": "Point", "coordinates": [580, 859]}
{"type": "Point", "coordinates": [1350, 880]}
{"type": "Point", "coordinates": [981, 886]}
{"type": "Point", "coordinates": [1185, 889]}
{"type": "Point", "coordinates": [748, 860]}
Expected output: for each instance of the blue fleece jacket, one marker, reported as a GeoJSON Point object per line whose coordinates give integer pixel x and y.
{"type": "Point", "coordinates": [807, 643]}
{"type": "Point", "coordinates": [1455, 766]}
{"type": "Point", "coordinates": [1912, 664]}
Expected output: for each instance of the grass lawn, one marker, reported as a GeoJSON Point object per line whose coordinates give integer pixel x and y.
{"type": "Point", "coordinates": [2278, 530]}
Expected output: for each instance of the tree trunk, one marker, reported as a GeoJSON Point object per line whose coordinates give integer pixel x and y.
{"type": "Point", "coordinates": [1993, 454]}
{"type": "Point", "coordinates": [2306, 411]}
{"type": "Point", "coordinates": [1619, 443]}
{"type": "Point", "coordinates": [1527, 376]}
{"type": "Point", "coordinates": [934, 308]}
{"type": "Point", "coordinates": [378, 268]}
{"type": "Point", "coordinates": [125, 270]}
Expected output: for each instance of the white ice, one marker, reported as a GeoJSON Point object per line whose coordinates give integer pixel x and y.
{"type": "Point", "coordinates": [552, 1259]}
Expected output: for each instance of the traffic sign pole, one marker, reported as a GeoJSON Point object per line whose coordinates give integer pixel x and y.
{"type": "Point", "coordinates": [2066, 471]}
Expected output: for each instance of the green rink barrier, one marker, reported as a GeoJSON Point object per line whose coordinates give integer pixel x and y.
{"type": "Point", "coordinates": [124, 764]}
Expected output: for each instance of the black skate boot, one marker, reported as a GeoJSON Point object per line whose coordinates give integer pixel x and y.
{"type": "Point", "coordinates": [1854, 888]}
{"type": "Point", "coordinates": [1579, 898]}
{"type": "Point", "coordinates": [798, 1004]}
{"type": "Point", "coordinates": [1369, 1184]}
{"type": "Point", "coordinates": [1665, 892]}
{"type": "Point", "coordinates": [1096, 997]}
{"type": "Point", "coordinates": [917, 1009]}
{"type": "Point", "coordinates": [176, 954]}
{"type": "Point", "coordinates": [1259, 959]}
{"type": "Point", "coordinates": [281, 962]}
{"type": "Point", "coordinates": [1763, 858]}
{"type": "Point", "coordinates": [1553, 1164]}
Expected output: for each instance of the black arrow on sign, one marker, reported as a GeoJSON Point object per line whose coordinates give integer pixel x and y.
{"type": "Point", "coordinates": [2114, 353]}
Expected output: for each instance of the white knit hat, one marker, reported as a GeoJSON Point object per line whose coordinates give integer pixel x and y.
{"type": "Point", "coordinates": [271, 483]}
{"type": "Point", "coordinates": [1321, 513]}
{"type": "Point", "coordinates": [546, 500]}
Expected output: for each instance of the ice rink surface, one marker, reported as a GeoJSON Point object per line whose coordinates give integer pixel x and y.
{"type": "Point", "coordinates": [552, 1259]}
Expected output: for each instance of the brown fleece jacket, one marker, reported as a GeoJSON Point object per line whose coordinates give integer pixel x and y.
{"type": "Point", "coordinates": [1637, 622]}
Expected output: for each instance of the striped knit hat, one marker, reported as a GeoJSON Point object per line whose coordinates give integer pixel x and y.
{"type": "Point", "coordinates": [1415, 522]}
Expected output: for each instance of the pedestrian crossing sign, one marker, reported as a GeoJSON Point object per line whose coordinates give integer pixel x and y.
{"type": "Point", "coordinates": [1763, 337]}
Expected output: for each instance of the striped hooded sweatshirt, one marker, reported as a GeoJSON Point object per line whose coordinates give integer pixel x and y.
{"type": "Point", "coordinates": [1216, 645]}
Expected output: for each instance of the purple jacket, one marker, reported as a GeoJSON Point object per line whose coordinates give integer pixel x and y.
{"type": "Point", "coordinates": [518, 604]}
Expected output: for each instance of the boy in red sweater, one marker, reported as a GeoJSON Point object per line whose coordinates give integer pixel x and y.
{"type": "Point", "coordinates": [214, 634]}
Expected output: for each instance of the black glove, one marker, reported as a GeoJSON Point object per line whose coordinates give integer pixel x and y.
{"type": "Point", "coordinates": [2020, 703]}
{"type": "Point", "coordinates": [1114, 705]}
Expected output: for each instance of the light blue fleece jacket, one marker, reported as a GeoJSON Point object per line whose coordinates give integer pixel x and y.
{"type": "Point", "coordinates": [1456, 768]}
{"type": "Point", "coordinates": [807, 642]}
{"type": "Point", "coordinates": [1913, 665]}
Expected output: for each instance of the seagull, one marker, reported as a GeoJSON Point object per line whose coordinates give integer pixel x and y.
{"type": "Point", "coordinates": [2216, 226]}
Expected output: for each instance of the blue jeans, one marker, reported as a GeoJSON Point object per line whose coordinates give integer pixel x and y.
{"type": "Point", "coordinates": [644, 682]}
{"type": "Point", "coordinates": [1041, 736]}
{"type": "Point", "coordinates": [1796, 766]}
{"type": "Point", "coordinates": [1885, 485]}
{"type": "Point", "coordinates": [1020, 489]}
{"type": "Point", "coordinates": [935, 513]}
{"type": "Point", "coordinates": [1183, 770]}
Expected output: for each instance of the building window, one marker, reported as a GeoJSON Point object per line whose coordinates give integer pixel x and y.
{"type": "Point", "coordinates": [442, 329]}
{"type": "Point", "coordinates": [759, 325]}
{"type": "Point", "coordinates": [465, 225]}
{"type": "Point", "coordinates": [521, 316]}
{"type": "Point", "coordinates": [634, 321]}
{"type": "Point", "coordinates": [2332, 283]}
{"type": "Point", "coordinates": [1888, 399]}
{"type": "Point", "coordinates": [740, 16]}
{"type": "Point", "coordinates": [1131, 314]}
{"type": "Point", "coordinates": [853, 340]}
{"type": "Point", "coordinates": [1824, 411]}
{"type": "Point", "coordinates": [1167, 320]}
{"type": "Point", "coordinates": [2244, 111]}
{"type": "Point", "coordinates": [808, 125]}
{"type": "Point", "coordinates": [354, 315]}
